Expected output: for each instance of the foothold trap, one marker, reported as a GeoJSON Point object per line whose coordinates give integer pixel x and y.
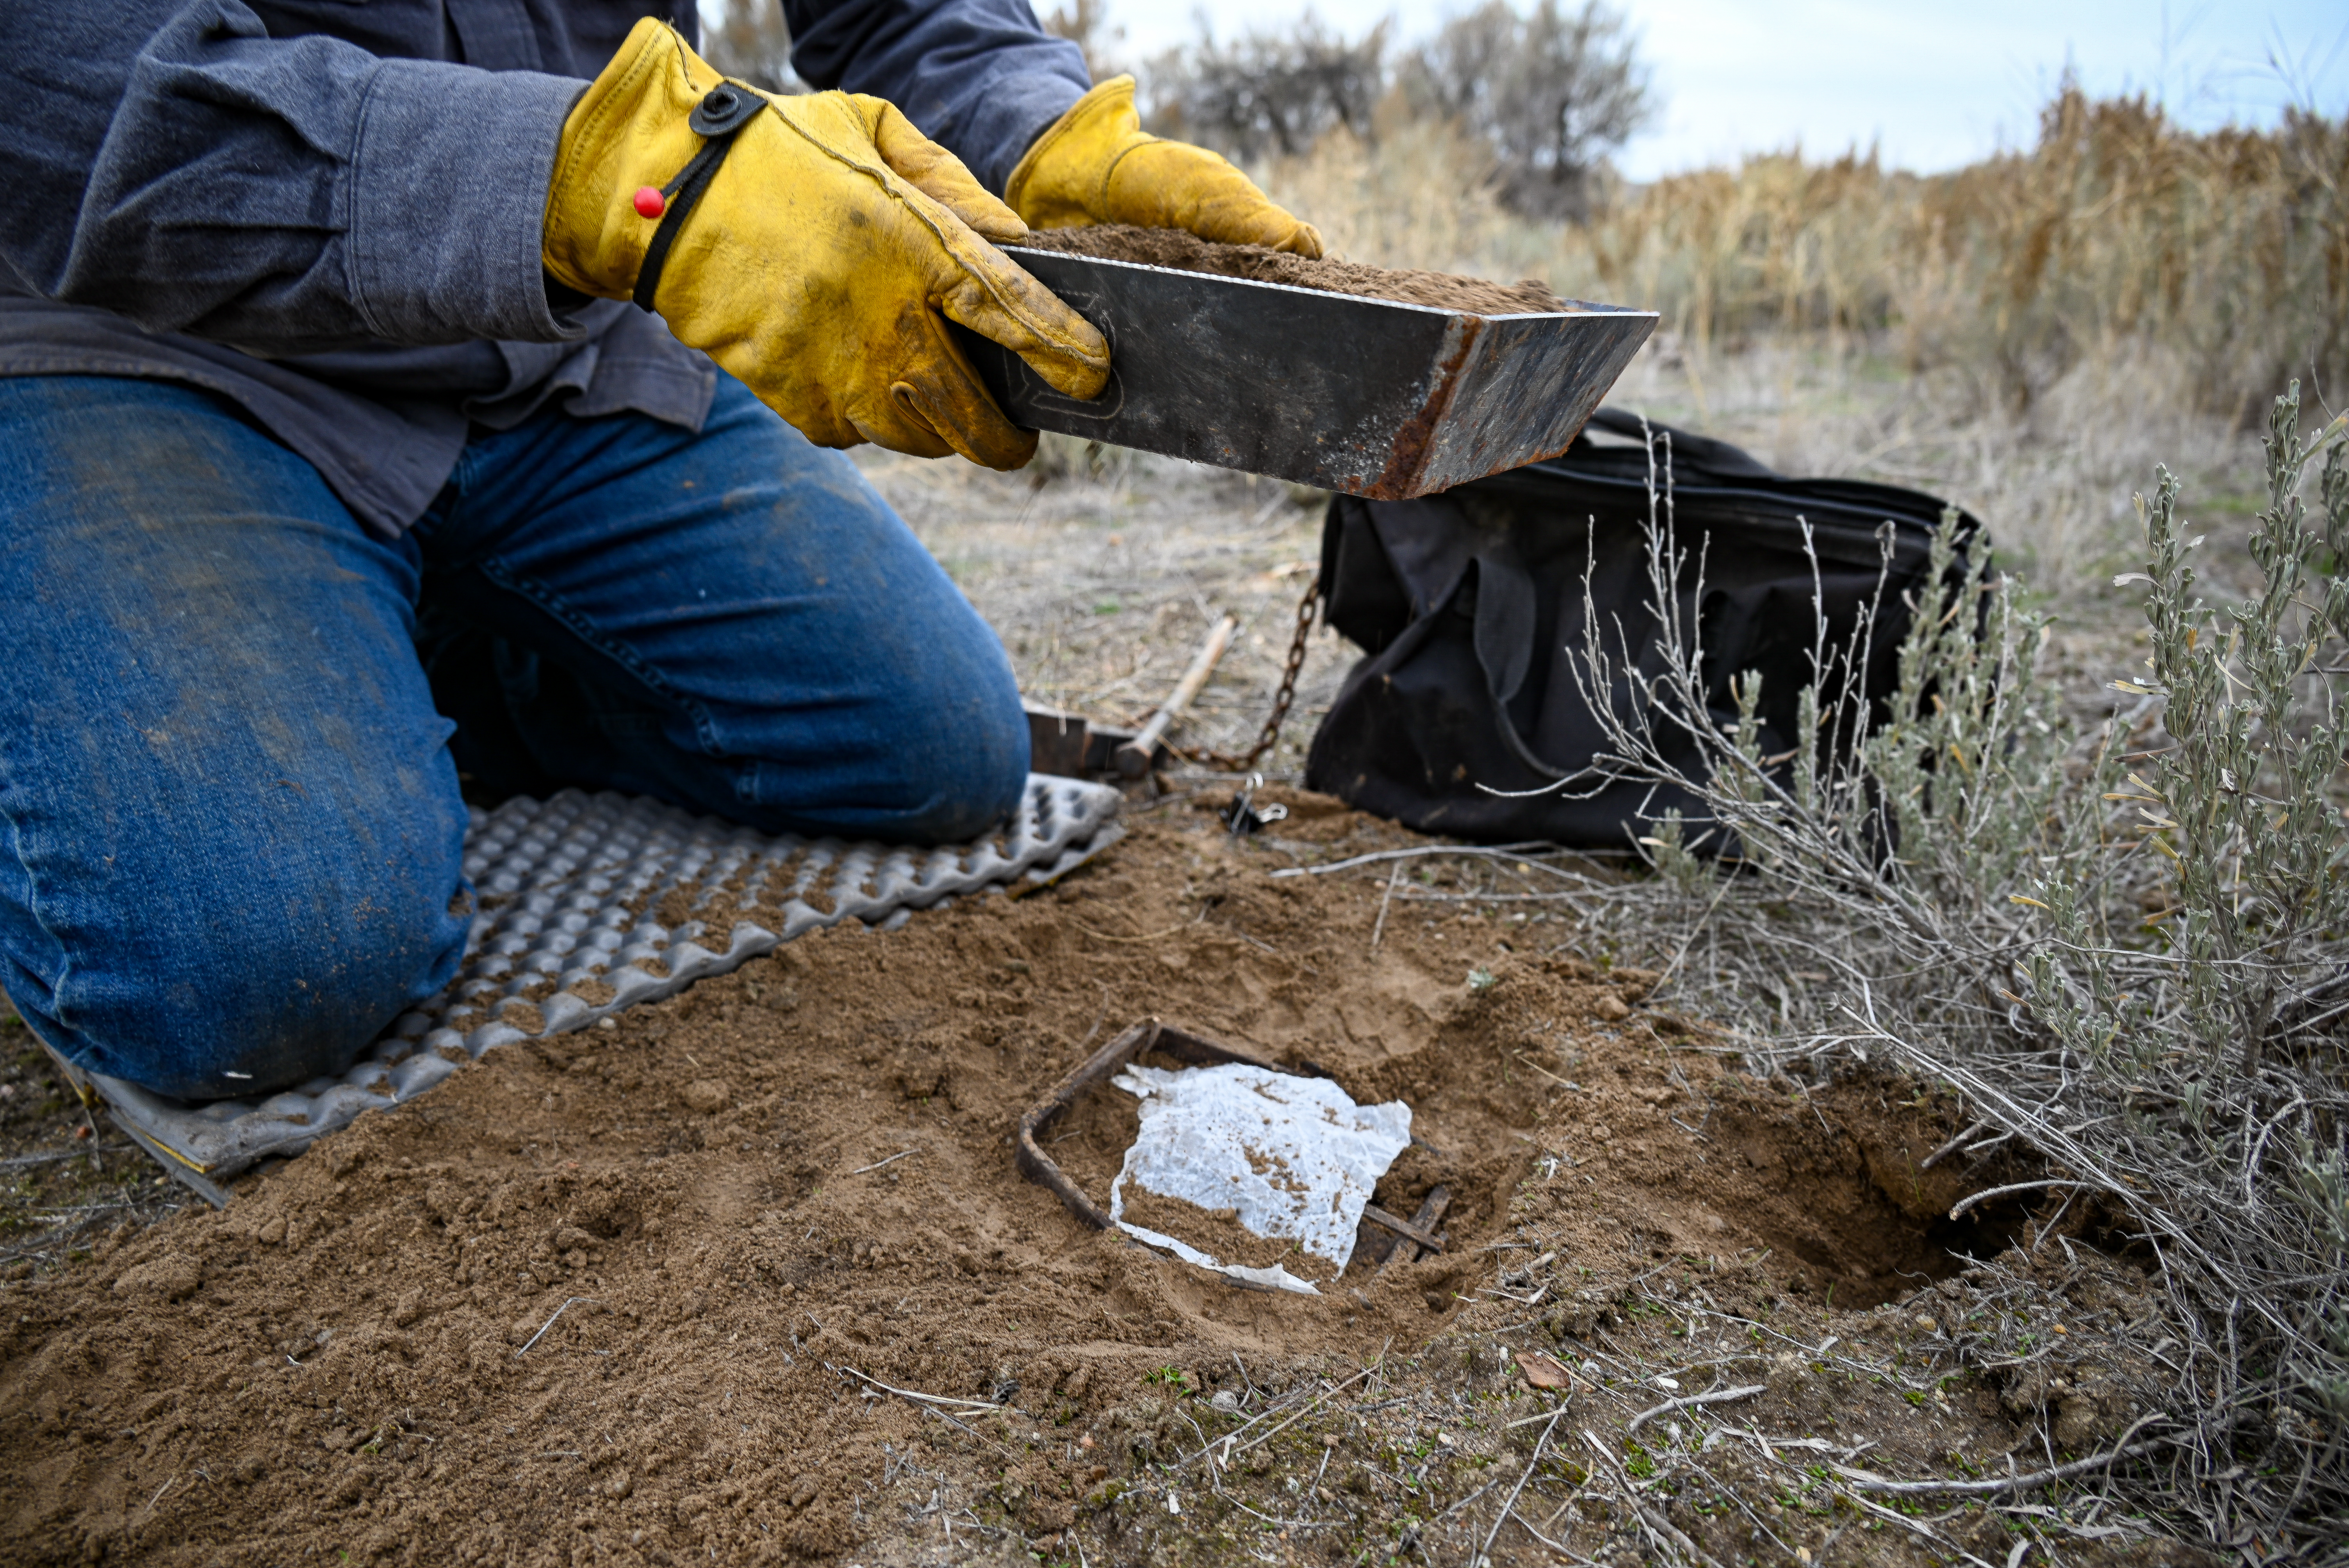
{"type": "Point", "coordinates": [1272, 1145]}
{"type": "Point", "coordinates": [568, 936]}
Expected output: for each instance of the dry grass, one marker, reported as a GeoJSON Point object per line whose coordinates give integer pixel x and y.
{"type": "Point", "coordinates": [2027, 337]}
{"type": "Point", "coordinates": [2115, 233]}
{"type": "Point", "coordinates": [65, 1182]}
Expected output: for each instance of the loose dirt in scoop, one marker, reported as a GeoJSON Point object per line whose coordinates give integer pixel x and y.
{"type": "Point", "coordinates": [1187, 252]}
{"type": "Point", "coordinates": [628, 1295]}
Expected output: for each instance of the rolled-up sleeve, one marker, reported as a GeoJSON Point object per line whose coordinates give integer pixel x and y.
{"type": "Point", "coordinates": [981, 78]}
{"type": "Point", "coordinates": [176, 164]}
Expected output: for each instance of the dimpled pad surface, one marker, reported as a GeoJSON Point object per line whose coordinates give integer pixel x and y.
{"type": "Point", "coordinates": [570, 888]}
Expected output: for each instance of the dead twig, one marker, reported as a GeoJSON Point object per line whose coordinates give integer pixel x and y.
{"type": "Point", "coordinates": [1462, 1504]}
{"type": "Point", "coordinates": [1927, 1163]}
{"type": "Point", "coordinates": [1511, 852]}
{"type": "Point", "coordinates": [541, 1327]}
{"type": "Point", "coordinates": [1263, 1413]}
{"type": "Point", "coordinates": [1656, 1525]}
{"type": "Point", "coordinates": [65, 1154]}
{"type": "Point", "coordinates": [1862, 1480]}
{"type": "Point", "coordinates": [984, 1407]}
{"type": "Point", "coordinates": [1379, 927]}
{"type": "Point", "coordinates": [1718, 1397]}
{"type": "Point", "coordinates": [1265, 1437]}
{"type": "Point", "coordinates": [154, 1500]}
{"type": "Point", "coordinates": [1224, 1443]}
{"type": "Point", "coordinates": [1962, 1205]}
{"type": "Point", "coordinates": [1510, 1504]}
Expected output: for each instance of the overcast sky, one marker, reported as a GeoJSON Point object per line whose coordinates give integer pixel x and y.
{"type": "Point", "coordinates": [1933, 85]}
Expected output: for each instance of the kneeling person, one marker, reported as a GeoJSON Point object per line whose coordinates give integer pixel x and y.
{"type": "Point", "coordinates": [384, 408]}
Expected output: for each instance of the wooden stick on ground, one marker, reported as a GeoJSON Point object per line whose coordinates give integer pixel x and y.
{"type": "Point", "coordinates": [1134, 757]}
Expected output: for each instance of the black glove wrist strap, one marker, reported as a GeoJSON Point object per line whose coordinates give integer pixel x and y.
{"type": "Point", "coordinates": [722, 111]}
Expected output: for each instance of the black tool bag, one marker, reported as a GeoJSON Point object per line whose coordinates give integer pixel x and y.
{"type": "Point", "coordinates": [1470, 606]}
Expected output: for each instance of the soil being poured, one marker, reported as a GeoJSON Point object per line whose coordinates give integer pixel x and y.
{"type": "Point", "coordinates": [1187, 252]}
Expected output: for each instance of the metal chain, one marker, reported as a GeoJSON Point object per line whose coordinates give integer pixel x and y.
{"type": "Point", "coordinates": [1269, 737]}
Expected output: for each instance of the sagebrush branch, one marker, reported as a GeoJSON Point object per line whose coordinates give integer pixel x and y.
{"type": "Point", "coordinates": [1864, 1480]}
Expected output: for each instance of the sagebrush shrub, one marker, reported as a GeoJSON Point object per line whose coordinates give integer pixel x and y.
{"type": "Point", "coordinates": [2126, 950]}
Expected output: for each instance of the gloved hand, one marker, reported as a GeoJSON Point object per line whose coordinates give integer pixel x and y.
{"type": "Point", "coordinates": [821, 260]}
{"type": "Point", "coordinates": [1097, 165]}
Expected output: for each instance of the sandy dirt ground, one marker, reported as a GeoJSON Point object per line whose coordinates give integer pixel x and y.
{"type": "Point", "coordinates": [660, 1292]}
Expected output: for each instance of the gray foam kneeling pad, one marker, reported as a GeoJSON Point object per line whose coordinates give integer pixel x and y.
{"type": "Point", "coordinates": [569, 888]}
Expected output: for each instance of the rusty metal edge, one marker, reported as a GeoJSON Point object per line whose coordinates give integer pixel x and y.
{"type": "Point", "coordinates": [1430, 1215]}
{"type": "Point", "coordinates": [1408, 453]}
{"type": "Point", "coordinates": [1140, 1040]}
{"type": "Point", "coordinates": [1591, 390]}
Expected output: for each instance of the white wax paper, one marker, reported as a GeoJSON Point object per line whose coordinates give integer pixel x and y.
{"type": "Point", "coordinates": [1296, 1156]}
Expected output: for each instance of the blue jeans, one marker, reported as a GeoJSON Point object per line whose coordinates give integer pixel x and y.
{"type": "Point", "coordinates": [233, 722]}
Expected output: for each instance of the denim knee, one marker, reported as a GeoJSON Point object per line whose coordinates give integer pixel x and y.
{"type": "Point", "coordinates": [230, 829]}
{"type": "Point", "coordinates": [732, 621]}
{"type": "Point", "coordinates": [952, 738]}
{"type": "Point", "coordinates": [259, 996]}
{"type": "Point", "coordinates": [238, 987]}
{"type": "Point", "coordinates": [965, 759]}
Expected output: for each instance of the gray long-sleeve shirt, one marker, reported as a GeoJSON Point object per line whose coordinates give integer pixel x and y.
{"type": "Point", "coordinates": [330, 212]}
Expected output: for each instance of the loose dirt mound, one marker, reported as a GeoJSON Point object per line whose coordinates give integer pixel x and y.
{"type": "Point", "coordinates": [749, 1199]}
{"type": "Point", "coordinates": [1187, 251]}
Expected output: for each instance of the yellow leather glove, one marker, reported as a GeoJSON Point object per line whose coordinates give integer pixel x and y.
{"type": "Point", "coordinates": [821, 260]}
{"type": "Point", "coordinates": [1097, 165]}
